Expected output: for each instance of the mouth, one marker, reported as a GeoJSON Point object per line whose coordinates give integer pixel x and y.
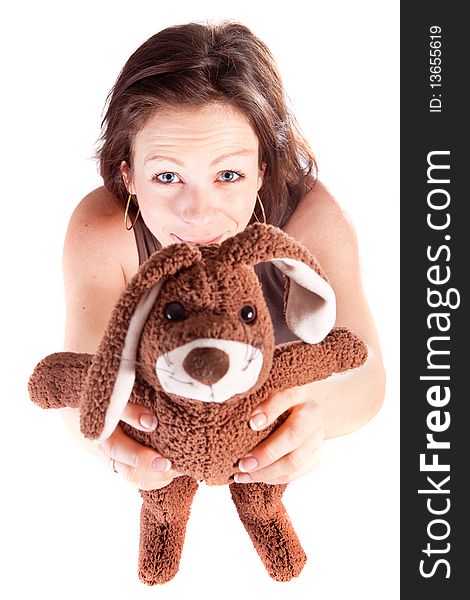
{"type": "Point", "coordinates": [214, 240]}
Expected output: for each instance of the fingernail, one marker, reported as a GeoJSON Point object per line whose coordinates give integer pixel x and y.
{"type": "Point", "coordinates": [148, 421]}
{"type": "Point", "coordinates": [248, 463]}
{"type": "Point", "coordinates": [161, 464]}
{"type": "Point", "coordinates": [242, 478]}
{"type": "Point", "coordinates": [258, 421]}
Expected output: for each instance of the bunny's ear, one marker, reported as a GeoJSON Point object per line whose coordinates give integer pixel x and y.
{"type": "Point", "coordinates": [111, 375]}
{"type": "Point", "coordinates": [311, 303]}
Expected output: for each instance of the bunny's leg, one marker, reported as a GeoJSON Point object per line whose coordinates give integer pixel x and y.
{"type": "Point", "coordinates": [163, 519]}
{"type": "Point", "coordinates": [262, 513]}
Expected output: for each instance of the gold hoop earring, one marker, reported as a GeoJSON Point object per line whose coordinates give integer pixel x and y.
{"type": "Point", "coordinates": [262, 210]}
{"type": "Point", "coordinates": [127, 211]}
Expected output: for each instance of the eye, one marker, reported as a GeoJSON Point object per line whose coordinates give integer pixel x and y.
{"type": "Point", "coordinates": [174, 311]}
{"type": "Point", "coordinates": [166, 177]}
{"type": "Point", "coordinates": [248, 313]}
{"type": "Point", "coordinates": [231, 176]}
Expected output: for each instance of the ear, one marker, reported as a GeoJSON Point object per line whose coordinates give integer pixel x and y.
{"type": "Point", "coordinates": [261, 172]}
{"type": "Point", "coordinates": [311, 303]}
{"type": "Point", "coordinates": [125, 174]}
{"type": "Point", "coordinates": [112, 372]}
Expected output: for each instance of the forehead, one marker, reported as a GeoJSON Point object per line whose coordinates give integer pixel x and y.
{"type": "Point", "coordinates": [212, 130]}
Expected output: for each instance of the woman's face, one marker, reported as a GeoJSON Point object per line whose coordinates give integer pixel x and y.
{"type": "Point", "coordinates": [195, 174]}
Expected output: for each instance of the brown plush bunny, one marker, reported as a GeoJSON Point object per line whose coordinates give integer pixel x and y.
{"type": "Point", "coordinates": [191, 338]}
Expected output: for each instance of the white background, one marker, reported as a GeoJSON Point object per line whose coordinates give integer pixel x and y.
{"type": "Point", "coordinates": [69, 527]}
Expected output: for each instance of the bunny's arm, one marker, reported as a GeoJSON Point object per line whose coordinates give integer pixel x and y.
{"type": "Point", "coordinates": [298, 363]}
{"type": "Point", "coordinates": [57, 381]}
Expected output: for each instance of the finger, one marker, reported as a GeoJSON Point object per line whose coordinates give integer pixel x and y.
{"type": "Point", "coordinates": [125, 450]}
{"type": "Point", "coordinates": [139, 416]}
{"type": "Point", "coordinates": [144, 480]}
{"type": "Point", "coordinates": [302, 424]}
{"type": "Point", "coordinates": [288, 468]}
{"type": "Point", "coordinates": [268, 411]}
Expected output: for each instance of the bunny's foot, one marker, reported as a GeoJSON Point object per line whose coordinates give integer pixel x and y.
{"type": "Point", "coordinates": [163, 519]}
{"type": "Point", "coordinates": [267, 523]}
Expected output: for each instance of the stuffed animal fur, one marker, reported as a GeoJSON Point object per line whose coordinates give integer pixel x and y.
{"type": "Point", "coordinates": [191, 338]}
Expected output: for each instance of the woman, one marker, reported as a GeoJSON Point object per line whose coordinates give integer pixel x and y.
{"type": "Point", "coordinates": [197, 143]}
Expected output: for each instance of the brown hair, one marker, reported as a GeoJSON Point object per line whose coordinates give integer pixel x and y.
{"type": "Point", "coordinates": [195, 64]}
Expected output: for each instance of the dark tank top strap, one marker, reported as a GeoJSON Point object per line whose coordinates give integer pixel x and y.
{"type": "Point", "coordinates": [271, 279]}
{"type": "Point", "coordinates": [146, 242]}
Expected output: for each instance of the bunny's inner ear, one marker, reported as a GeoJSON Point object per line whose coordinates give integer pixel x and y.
{"type": "Point", "coordinates": [126, 375]}
{"type": "Point", "coordinates": [311, 303]}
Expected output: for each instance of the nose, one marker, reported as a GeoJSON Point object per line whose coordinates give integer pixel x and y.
{"type": "Point", "coordinates": [207, 365]}
{"type": "Point", "coordinates": [198, 209]}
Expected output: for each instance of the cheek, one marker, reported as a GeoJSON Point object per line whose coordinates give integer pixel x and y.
{"type": "Point", "coordinates": [152, 197]}
{"type": "Point", "coordinates": [240, 198]}
{"type": "Point", "coordinates": [236, 212]}
{"type": "Point", "coordinates": [244, 212]}
{"type": "Point", "coordinates": [153, 206]}
{"type": "Point", "coordinates": [157, 215]}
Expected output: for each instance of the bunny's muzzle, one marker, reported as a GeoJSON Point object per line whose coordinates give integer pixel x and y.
{"type": "Point", "coordinates": [211, 370]}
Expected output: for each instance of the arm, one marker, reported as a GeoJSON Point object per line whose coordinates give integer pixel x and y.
{"type": "Point", "coordinates": [58, 379]}
{"type": "Point", "coordinates": [93, 280]}
{"type": "Point", "coordinates": [300, 364]}
{"type": "Point", "coordinates": [333, 406]}
{"type": "Point", "coordinates": [96, 249]}
{"type": "Point", "coordinates": [350, 401]}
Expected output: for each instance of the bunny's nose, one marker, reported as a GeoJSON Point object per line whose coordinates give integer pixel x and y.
{"type": "Point", "coordinates": [207, 365]}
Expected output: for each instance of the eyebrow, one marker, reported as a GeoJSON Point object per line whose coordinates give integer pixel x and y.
{"type": "Point", "coordinates": [214, 162]}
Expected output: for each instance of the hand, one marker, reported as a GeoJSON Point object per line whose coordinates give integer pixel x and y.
{"type": "Point", "coordinates": [290, 451]}
{"type": "Point", "coordinates": [134, 462]}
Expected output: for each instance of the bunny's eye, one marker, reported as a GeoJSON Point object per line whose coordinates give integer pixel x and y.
{"type": "Point", "coordinates": [174, 311]}
{"type": "Point", "coordinates": [248, 313]}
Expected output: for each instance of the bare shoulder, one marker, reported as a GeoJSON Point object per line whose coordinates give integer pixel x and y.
{"type": "Point", "coordinates": [322, 225]}
{"type": "Point", "coordinates": [99, 257]}
{"type": "Point", "coordinates": [97, 236]}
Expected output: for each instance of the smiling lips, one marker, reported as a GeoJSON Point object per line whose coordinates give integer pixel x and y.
{"type": "Point", "coordinates": [209, 241]}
